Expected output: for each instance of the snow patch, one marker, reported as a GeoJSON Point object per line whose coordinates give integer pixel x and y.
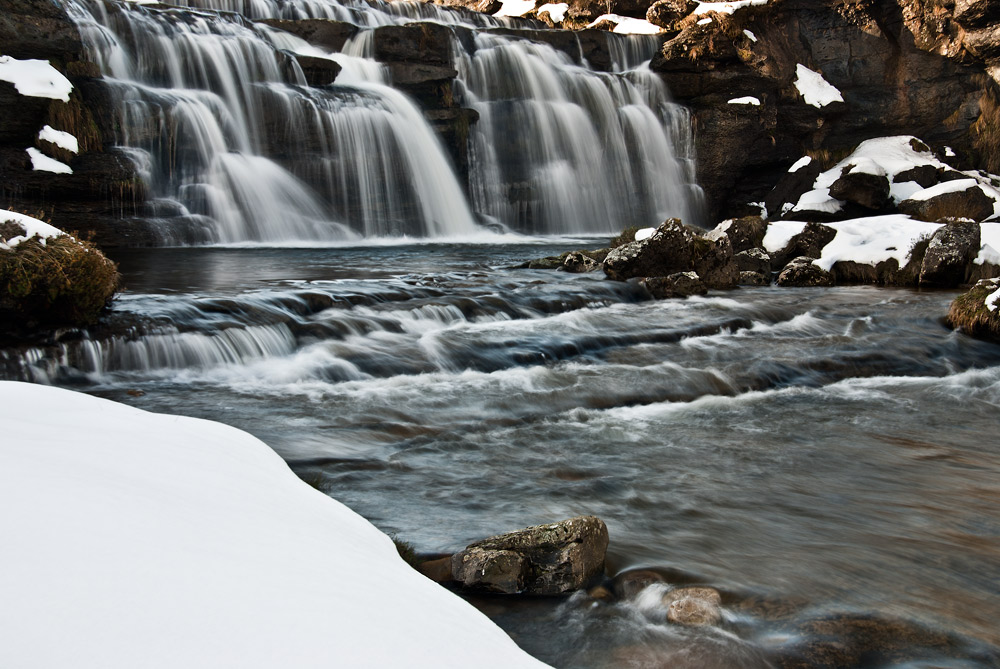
{"type": "Point", "coordinates": [35, 78]}
{"type": "Point", "coordinates": [949, 152]}
{"type": "Point", "coordinates": [750, 35]}
{"type": "Point", "coordinates": [749, 100]}
{"type": "Point", "coordinates": [989, 252]}
{"type": "Point", "coordinates": [799, 164]}
{"type": "Point", "coordinates": [645, 233]}
{"type": "Point", "coordinates": [625, 25]}
{"type": "Point", "coordinates": [726, 7]}
{"type": "Point", "coordinates": [869, 241]}
{"type": "Point", "coordinates": [815, 90]}
{"type": "Point", "coordinates": [194, 545]}
{"type": "Point", "coordinates": [779, 233]}
{"type": "Point", "coordinates": [32, 228]}
{"type": "Point", "coordinates": [515, 7]}
{"type": "Point", "coordinates": [556, 10]}
{"type": "Point", "coordinates": [992, 299]}
{"type": "Point", "coordinates": [42, 163]}
{"type": "Point", "coordinates": [705, 22]}
{"type": "Point", "coordinates": [63, 140]}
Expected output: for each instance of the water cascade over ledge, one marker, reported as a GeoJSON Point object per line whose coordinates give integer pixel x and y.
{"type": "Point", "coordinates": [235, 146]}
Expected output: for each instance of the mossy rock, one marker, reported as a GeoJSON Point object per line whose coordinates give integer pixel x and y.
{"type": "Point", "coordinates": [970, 313]}
{"type": "Point", "coordinates": [58, 282]}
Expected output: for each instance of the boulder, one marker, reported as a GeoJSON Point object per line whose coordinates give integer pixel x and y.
{"type": "Point", "coordinates": [754, 279]}
{"type": "Point", "coordinates": [754, 260]}
{"type": "Point", "coordinates": [318, 71]}
{"type": "Point", "coordinates": [667, 13]}
{"type": "Point", "coordinates": [809, 242]}
{"type": "Point", "coordinates": [578, 263]}
{"type": "Point", "coordinates": [326, 33]}
{"type": "Point", "coordinates": [680, 284]}
{"type": "Point", "coordinates": [745, 233]}
{"type": "Point", "coordinates": [666, 252]}
{"type": "Point", "coordinates": [977, 312]}
{"type": "Point", "coordinates": [693, 606]}
{"type": "Point", "coordinates": [628, 584]}
{"type": "Point", "coordinates": [924, 175]}
{"type": "Point", "coordinates": [549, 559]}
{"type": "Point", "coordinates": [790, 187]}
{"type": "Point", "coordinates": [863, 188]}
{"type": "Point", "coordinates": [976, 13]}
{"type": "Point", "coordinates": [802, 273]}
{"type": "Point", "coordinates": [424, 43]}
{"type": "Point", "coordinates": [953, 200]}
{"type": "Point", "coordinates": [713, 261]}
{"type": "Point", "coordinates": [950, 254]}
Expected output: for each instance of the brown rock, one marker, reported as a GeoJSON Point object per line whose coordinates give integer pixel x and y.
{"type": "Point", "coordinates": [745, 233]}
{"type": "Point", "coordinates": [871, 191]}
{"type": "Point", "coordinates": [693, 606]}
{"type": "Point", "coordinates": [802, 273]}
{"type": "Point", "coordinates": [970, 203]}
{"type": "Point", "coordinates": [628, 584]}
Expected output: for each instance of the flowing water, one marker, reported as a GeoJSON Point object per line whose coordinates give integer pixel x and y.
{"type": "Point", "coordinates": [825, 450]}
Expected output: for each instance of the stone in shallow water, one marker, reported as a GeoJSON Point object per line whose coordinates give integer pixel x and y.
{"type": "Point", "coordinates": [693, 606]}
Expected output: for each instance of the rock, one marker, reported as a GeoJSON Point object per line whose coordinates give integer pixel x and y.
{"type": "Point", "coordinates": [666, 252]}
{"type": "Point", "coordinates": [976, 13]}
{"type": "Point", "coordinates": [802, 273]}
{"type": "Point", "coordinates": [868, 190]}
{"type": "Point", "coordinates": [809, 242]}
{"type": "Point", "coordinates": [680, 284]}
{"type": "Point", "coordinates": [950, 254]}
{"type": "Point", "coordinates": [693, 606]}
{"type": "Point", "coordinates": [745, 233]}
{"type": "Point", "coordinates": [601, 594]}
{"type": "Point", "coordinates": [578, 263]}
{"type": "Point", "coordinates": [959, 199]}
{"type": "Point", "coordinates": [754, 279]}
{"type": "Point", "coordinates": [543, 560]}
{"type": "Point", "coordinates": [790, 187]}
{"type": "Point", "coordinates": [713, 261]}
{"type": "Point", "coordinates": [423, 43]}
{"type": "Point", "coordinates": [489, 6]}
{"type": "Point", "coordinates": [325, 33]}
{"type": "Point", "coordinates": [318, 71]}
{"type": "Point", "coordinates": [970, 313]}
{"type": "Point", "coordinates": [924, 175]}
{"type": "Point", "coordinates": [628, 584]}
{"type": "Point", "coordinates": [438, 570]}
{"type": "Point", "coordinates": [754, 260]}
{"type": "Point", "coordinates": [667, 13]}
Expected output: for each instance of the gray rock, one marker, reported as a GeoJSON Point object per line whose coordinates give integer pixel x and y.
{"type": "Point", "coordinates": [969, 203]}
{"type": "Point", "coordinates": [666, 252]}
{"type": "Point", "coordinates": [681, 284]}
{"type": "Point", "coordinates": [802, 273]}
{"type": "Point", "coordinates": [579, 263]}
{"type": "Point", "coordinates": [950, 254]}
{"type": "Point", "coordinates": [628, 584]}
{"type": "Point", "coordinates": [871, 191]}
{"type": "Point", "coordinates": [694, 606]}
{"type": "Point", "coordinates": [543, 560]}
{"type": "Point", "coordinates": [745, 233]}
{"type": "Point", "coordinates": [754, 260]}
{"type": "Point", "coordinates": [713, 261]}
{"type": "Point", "coordinates": [754, 279]}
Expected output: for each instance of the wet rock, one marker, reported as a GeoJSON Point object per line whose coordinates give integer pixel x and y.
{"type": "Point", "coordinates": [754, 279]}
{"type": "Point", "coordinates": [578, 263]}
{"type": "Point", "coordinates": [543, 560]}
{"type": "Point", "coordinates": [423, 43]}
{"type": "Point", "coordinates": [628, 584]}
{"type": "Point", "coordinates": [601, 593]}
{"type": "Point", "coordinates": [744, 233]}
{"type": "Point", "coordinates": [809, 242]}
{"type": "Point", "coordinates": [963, 199]}
{"type": "Point", "coordinates": [693, 606]}
{"type": "Point", "coordinates": [713, 261]}
{"type": "Point", "coordinates": [754, 260]}
{"type": "Point", "coordinates": [950, 254]}
{"type": "Point", "coordinates": [680, 284]}
{"type": "Point", "coordinates": [972, 314]}
{"type": "Point", "coordinates": [667, 13]}
{"type": "Point", "coordinates": [318, 71]}
{"type": "Point", "coordinates": [666, 252]}
{"type": "Point", "coordinates": [863, 188]}
{"type": "Point", "coordinates": [802, 273]}
{"type": "Point", "coordinates": [326, 33]}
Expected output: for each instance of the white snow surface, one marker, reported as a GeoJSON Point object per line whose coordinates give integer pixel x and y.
{"type": "Point", "coordinates": [705, 22]}
{"type": "Point", "coordinates": [779, 233]}
{"type": "Point", "coordinates": [800, 163]}
{"type": "Point", "coordinates": [42, 163]}
{"type": "Point", "coordinates": [815, 90]}
{"type": "Point", "coordinates": [869, 241]}
{"type": "Point", "coordinates": [956, 186]}
{"type": "Point", "coordinates": [989, 250]}
{"type": "Point", "coordinates": [644, 233]}
{"type": "Point", "coordinates": [35, 78]}
{"type": "Point", "coordinates": [748, 100]}
{"type": "Point", "coordinates": [515, 7]}
{"type": "Point", "coordinates": [625, 25]}
{"type": "Point", "coordinates": [32, 228]}
{"type": "Point", "coordinates": [557, 11]}
{"type": "Point", "coordinates": [750, 35]}
{"type": "Point", "coordinates": [133, 539]}
{"type": "Point", "coordinates": [726, 7]}
{"type": "Point", "coordinates": [63, 140]}
{"type": "Point", "coordinates": [992, 299]}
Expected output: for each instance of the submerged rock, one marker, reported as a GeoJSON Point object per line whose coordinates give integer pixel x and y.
{"type": "Point", "coordinates": [680, 284]}
{"type": "Point", "coordinates": [802, 273]}
{"type": "Point", "coordinates": [549, 559]}
{"type": "Point", "coordinates": [694, 606]}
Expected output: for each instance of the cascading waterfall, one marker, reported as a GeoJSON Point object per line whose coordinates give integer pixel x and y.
{"type": "Point", "coordinates": [234, 146]}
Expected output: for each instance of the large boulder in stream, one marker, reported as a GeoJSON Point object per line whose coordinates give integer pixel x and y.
{"type": "Point", "coordinates": [977, 312]}
{"type": "Point", "coordinates": [802, 273]}
{"type": "Point", "coordinates": [552, 559]}
{"type": "Point", "coordinates": [949, 256]}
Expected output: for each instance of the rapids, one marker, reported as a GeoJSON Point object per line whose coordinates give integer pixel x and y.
{"type": "Point", "coordinates": [832, 447]}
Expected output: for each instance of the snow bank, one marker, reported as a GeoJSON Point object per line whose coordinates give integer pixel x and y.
{"type": "Point", "coordinates": [799, 164]}
{"type": "Point", "coordinates": [989, 250]}
{"type": "Point", "coordinates": [779, 233]}
{"type": "Point", "coordinates": [557, 11]}
{"type": "Point", "coordinates": [625, 25]}
{"type": "Point", "coordinates": [63, 140]}
{"type": "Point", "coordinates": [815, 90]}
{"type": "Point", "coordinates": [515, 7]}
{"type": "Point", "coordinates": [35, 78]}
{"type": "Point", "coordinates": [42, 163]}
{"type": "Point", "coordinates": [869, 241]}
{"type": "Point", "coordinates": [726, 7]}
{"type": "Point", "coordinates": [749, 100]}
{"type": "Point", "coordinates": [992, 299]}
{"type": "Point", "coordinates": [644, 233]}
{"type": "Point", "coordinates": [32, 228]}
{"type": "Point", "coordinates": [133, 539]}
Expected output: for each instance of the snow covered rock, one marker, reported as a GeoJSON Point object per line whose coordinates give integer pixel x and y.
{"type": "Point", "coordinates": [802, 272]}
{"type": "Point", "coordinates": [551, 559]}
{"type": "Point", "coordinates": [809, 242]}
{"type": "Point", "coordinates": [977, 312]}
{"type": "Point", "coordinates": [744, 233]}
{"type": "Point", "coordinates": [949, 256]}
{"type": "Point", "coordinates": [155, 541]}
{"type": "Point", "coordinates": [961, 199]}
{"type": "Point", "coordinates": [754, 260]}
{"type": "Point", "coordinates": [681, 284]}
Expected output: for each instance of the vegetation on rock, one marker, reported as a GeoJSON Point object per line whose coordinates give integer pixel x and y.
{"type": "Point", "coordinates": [971, 313]}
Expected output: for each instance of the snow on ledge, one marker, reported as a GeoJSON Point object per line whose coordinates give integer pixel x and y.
{"type": "Point", "coordinates": [799, 164]}
{"type": "Point", "coordinates": [35, 78]}
{"type": "Point", "coordinates": [644, 234]}
{"type": "Point", "coordinates": [32, 228]}
{"type": "Point", "coordinates": [726, 7]}
{"type": "Point", "coordinates": [557, 11]}
{"type": "Point", "coordinates": [515, 7]}
{"type": "Point", "coordinates": [749, 100]}
{"type": "Point", "coordinates": [625, 25]}
{"type": "Point", "coordinates": [815, 90]}
{"type": "Point", "coordinates": [145, 540]}
{"type": "Point", "coordinates": [42, 163]}
{"type": "Point", "coordinates": [63, 140]}
{"type": "Point", "coordinates": [869, 241]}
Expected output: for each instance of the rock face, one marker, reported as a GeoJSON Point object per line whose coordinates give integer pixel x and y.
{"type": "Point", "coordinates": [950, 253]}
{"type": "Point", "coordinates": [802, 273]}
{"type": "Point", "coordinates": [549, 559]}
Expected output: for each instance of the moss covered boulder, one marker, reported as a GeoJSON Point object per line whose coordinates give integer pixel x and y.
{"type": "Point", "coordinates": [49, 279]}
{"type": "Point", "coordinates": [977, 312]}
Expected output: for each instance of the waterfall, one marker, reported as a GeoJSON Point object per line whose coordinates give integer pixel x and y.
{"type": "Point", "coordinates": [235, 146]}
